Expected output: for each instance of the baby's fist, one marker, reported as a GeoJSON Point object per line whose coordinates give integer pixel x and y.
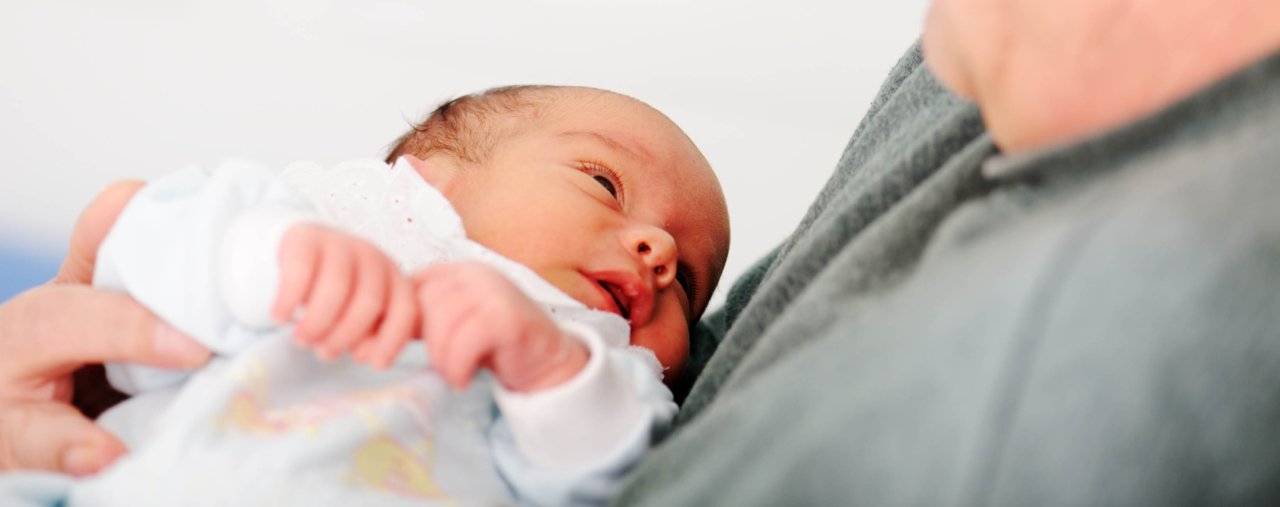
{"type": "Point", "coordinates": [352, 293]}
{"type": "Point", "coordinates": [474, 317]}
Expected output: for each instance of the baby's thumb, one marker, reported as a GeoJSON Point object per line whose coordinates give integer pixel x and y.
{"type": "Point", "coordinates": [53, 436]}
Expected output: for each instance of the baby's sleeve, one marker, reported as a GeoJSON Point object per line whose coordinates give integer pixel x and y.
{"type": "Point", "coordinates": [572, 444]}
{"type": "Point", "coordinates": [199, 249]}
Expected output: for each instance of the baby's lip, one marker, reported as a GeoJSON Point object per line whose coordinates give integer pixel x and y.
{"type": "Point", "coordinates": [625, 294]}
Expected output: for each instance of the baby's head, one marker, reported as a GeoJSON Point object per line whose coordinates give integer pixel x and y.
{"type": "Point", "coordinates": [600, 194]}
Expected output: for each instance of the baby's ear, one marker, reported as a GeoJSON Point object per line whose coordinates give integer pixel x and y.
{"type": "Point", "coordinates": [439, 170]}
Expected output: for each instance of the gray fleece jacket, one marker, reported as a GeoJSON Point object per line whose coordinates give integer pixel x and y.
{"type": "Point", "coordinates": [1096, 324]}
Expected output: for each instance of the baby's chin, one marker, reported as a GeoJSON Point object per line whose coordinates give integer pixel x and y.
{"type": "Point", "coordinates": [670, 348]}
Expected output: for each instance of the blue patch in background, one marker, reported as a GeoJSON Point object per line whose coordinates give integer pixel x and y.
{"type": "Point", "coordinates": [21, 269]}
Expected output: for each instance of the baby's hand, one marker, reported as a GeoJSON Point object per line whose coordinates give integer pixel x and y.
{"type": "Point", "coordinates": [473, 317]}
{"type": "Point", "coordinates": [352, 294]}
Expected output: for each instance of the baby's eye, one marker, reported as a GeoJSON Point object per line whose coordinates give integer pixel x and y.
{"type": "Point", "coordinates": [608, 185]}
{"type": "Point", "coordinates": [606, 177]}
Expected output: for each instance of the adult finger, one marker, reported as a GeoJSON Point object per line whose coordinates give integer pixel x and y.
{"type": "Point", "coordinates": [55, 329]}
{"type": "Point", "coordinates": [90, 229]}
{"type": "Point", "coordinates": [53, 436]}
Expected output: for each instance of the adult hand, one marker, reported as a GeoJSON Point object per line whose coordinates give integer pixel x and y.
{"type": "Point", "coordinates": [49, 332]}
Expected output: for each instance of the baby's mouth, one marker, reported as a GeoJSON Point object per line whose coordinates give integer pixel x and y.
{"type": "Point", "coordinates": [619, 299]}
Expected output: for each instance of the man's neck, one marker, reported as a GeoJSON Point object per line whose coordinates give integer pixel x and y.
{"type": "Point", "coordinates": [1154, 55]}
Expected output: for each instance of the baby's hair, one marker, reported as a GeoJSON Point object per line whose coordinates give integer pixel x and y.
{"type": "Point", "coordinates": [468, 127]}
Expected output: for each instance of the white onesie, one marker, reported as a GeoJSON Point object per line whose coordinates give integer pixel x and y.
{"type": "Point", "coordinates": [267, 423]}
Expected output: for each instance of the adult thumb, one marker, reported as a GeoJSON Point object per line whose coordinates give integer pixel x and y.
{"type": "Point", "coordinates": [91, 228]}
{"type": "Point", "coordinates": [53, 436]}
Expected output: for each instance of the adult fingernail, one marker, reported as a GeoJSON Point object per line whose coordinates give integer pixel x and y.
{"type": "Point", "coordinates": [81, 459]}
{"type": "Point", "coordinates": [173, 345]}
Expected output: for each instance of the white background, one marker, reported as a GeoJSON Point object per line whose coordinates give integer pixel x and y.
{"type": "Point", "coordinates": [94, 91]}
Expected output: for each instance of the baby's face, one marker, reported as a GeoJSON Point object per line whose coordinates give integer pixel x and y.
{"type": "Point", "coordinates": [610, 202]}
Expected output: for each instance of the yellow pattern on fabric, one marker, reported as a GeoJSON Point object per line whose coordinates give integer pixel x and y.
{"type": "Point", "coordinates": [380, 463]}
{"type": "Point", "coordinates": [384, 464]}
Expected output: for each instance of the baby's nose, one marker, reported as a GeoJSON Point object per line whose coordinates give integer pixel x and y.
{"type": "Point", "coordinates": [656, 250]}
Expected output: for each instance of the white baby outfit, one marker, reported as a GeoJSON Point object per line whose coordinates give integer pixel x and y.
{"type": "Point", "coordinates": [265, 423]}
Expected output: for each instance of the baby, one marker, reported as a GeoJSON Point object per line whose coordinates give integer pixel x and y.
{"type": "Point", "coordinates": [562, 239]}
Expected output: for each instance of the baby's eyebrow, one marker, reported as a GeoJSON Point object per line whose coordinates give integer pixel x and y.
{"type": "Point", "coordinates": [616, 142]}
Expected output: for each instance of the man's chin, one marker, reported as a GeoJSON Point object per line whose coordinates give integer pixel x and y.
{"type": "Point", "coordinates": [941, 50]}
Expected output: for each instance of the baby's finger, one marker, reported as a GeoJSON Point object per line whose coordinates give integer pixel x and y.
{"type": "Point", "coordinates": [332, 287]}
{"type": "Point", "coordinates": [441, 317]}
{"type": "Point", "coordinates": [473, 343]}
{"type": "Point", "coordinates": [365, 304]}
{"type": "Point", "coordinates": [299, 253]}
{"type": "Point", "coordinates": [469, 340]}
{"type": "Point", "coordinates": [397, 324]}
{"type": "Point", "coordinates": [436, 322]}
{"type": "Point", "coordinates": [433, 309]}
{"type": "Point", "coordinates": [363, 352]}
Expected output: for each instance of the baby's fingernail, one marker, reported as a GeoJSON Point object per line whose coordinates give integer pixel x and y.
{"type": "Point", "coordinates": [171, 344]}
{"type": "Point", "coordinates": [81, 459]}
{"type": "Point", "coordinates": [304, 337]}
{"type": "Point", "coordinates": [325, 355]}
